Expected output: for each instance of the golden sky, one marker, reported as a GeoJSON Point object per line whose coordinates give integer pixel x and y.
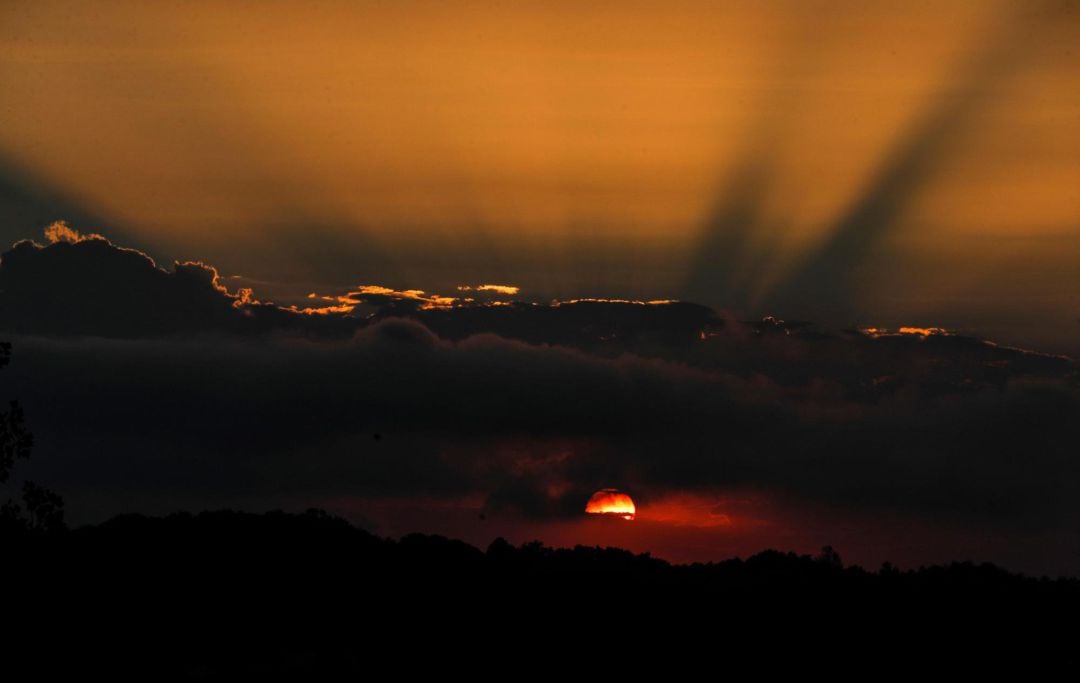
{"type": "Point", "coordinates": [886, 162]}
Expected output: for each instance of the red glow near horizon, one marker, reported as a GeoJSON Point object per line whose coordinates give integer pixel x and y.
{"type": "Point", "coordinates": [611, 502]}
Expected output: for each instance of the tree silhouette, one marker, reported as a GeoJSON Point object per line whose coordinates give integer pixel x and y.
{"type": "Point", "coordinates": [41, 509]}
{"type": "Point", "coordinates": [15, 439]}
{"type": "Point", "coordinates": [829, 557]}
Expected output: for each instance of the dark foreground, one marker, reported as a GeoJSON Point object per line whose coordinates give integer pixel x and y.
{"type": "Point", "coordinates": [217, 595]}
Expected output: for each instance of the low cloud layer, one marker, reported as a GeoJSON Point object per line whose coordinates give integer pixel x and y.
{"type": "Point", "coordinates": [398, 411]}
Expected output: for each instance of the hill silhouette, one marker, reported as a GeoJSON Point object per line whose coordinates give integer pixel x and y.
{"type": "Point", "coordinates": [217, 594]}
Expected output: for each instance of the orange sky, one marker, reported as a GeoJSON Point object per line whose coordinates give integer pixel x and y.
{"type": "Point", "coordinates": [578, 148]}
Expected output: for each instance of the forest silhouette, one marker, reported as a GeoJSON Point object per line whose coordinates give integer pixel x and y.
{"type": "Point", "coordinates": [220, 594]}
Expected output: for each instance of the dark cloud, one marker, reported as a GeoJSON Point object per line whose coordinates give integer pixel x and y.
{"type": "Point", "coordinates": [86, 285]}
{"type": "Point", "coordinates": [89, 286]}
{"type": "Point", "coordinates": [151, 390]}
{"type": "Point", "coordinates": [534, 428]}
{"type": "Point", "coordinates": [592, 324]}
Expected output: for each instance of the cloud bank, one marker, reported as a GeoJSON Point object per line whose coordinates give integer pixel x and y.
{"type": "Point", "coordinates": [153, 389]}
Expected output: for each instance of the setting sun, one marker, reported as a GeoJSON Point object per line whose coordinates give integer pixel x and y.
{"type": "Point", "coordinates": [611, 502]}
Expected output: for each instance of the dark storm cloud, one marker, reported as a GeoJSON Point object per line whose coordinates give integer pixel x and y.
{"type": "Point", "coordinates": [272, 415]}
{"type": "Point", "coordinates": [526, 406]}
{"type": "Point", "coordinates": [397, 411]}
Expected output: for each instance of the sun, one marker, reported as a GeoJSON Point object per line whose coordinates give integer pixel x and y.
{"type": "Point", "coordinates": [611, 502]}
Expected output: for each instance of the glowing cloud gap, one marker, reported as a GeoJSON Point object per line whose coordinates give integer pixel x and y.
{"type": "Point", "coordinates": [509, 290]}
{"type": "Point", "coordinates": [651, 302]}
{"type": "Point", "coordinates": [906, 330]}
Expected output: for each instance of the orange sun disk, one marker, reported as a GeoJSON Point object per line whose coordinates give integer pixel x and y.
{"type": "Point", "coordinates": [611, 502]}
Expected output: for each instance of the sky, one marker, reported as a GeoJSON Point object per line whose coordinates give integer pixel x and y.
{"type": "Point", "coordinates": [436, 188]}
